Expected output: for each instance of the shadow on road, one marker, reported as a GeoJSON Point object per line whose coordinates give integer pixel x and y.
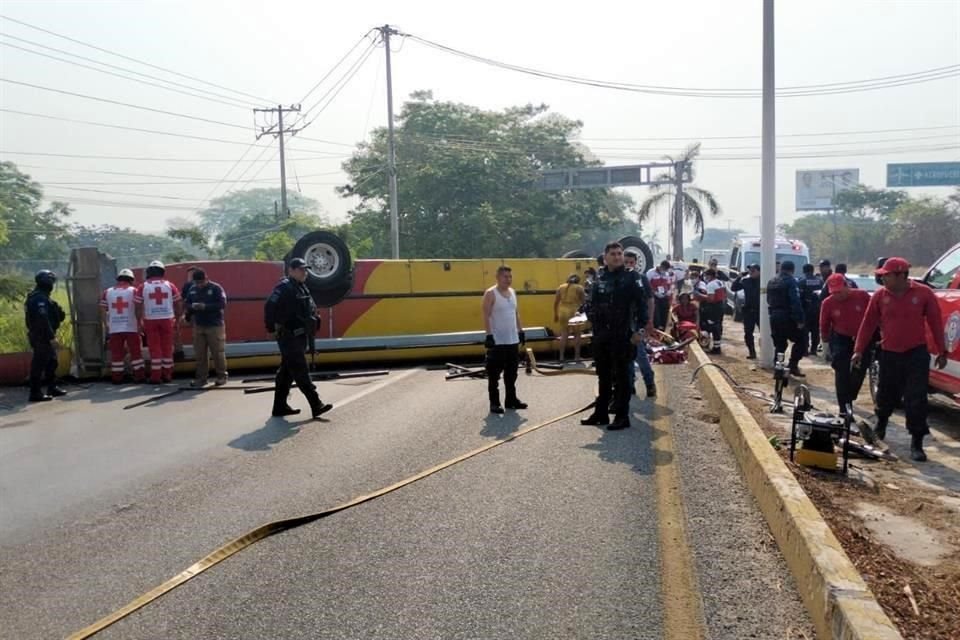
{"type": "Point", "coordinates": [273, 431]}
{"type": "Point", "coordinates": [634, 446]}
{"type": "Point", "coordinates": [501, 426]}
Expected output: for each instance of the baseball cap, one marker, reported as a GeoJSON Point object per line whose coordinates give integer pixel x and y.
{"type": "Point", "coordinates": [298, 263]}
{"type": "Point", "coordinates": [836, 282]}
{"type": "Point", "coordinates": [753, 266]}
{"type": "Point", "coordinates": [824, 263]}
{"type": "Point", "coordinates": [893, 265]}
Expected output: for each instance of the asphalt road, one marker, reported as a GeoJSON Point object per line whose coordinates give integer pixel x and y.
{"type": "Point", "coordinates": [567, 532]}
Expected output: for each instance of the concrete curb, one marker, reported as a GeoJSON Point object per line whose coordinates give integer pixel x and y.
{"type": "Point", "coordinates": [839, 601]}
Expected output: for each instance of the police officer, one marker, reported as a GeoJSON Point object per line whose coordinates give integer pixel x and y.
{"type": "Point", "coordinates": [43, 317]}
{"type": "Point", "coordinates": [291, 314]}
{"type": "Point", "coordinates": [810, 286]}
{"type": "Point", "coordinates": [786, 316]}
{"type": "Point", "coordinates": [901, 308]}
{"type": "Point", "coordinates": [618, 305]}
{"type": "Point", "coordinates": [749, 283]}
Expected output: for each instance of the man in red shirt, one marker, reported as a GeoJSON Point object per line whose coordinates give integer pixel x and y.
{"type": "Point", "coordinates": [840, 317]}
{"type": "Point", "coordinates": [900, 308]}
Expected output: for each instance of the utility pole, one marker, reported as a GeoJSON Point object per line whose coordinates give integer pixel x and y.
{"type": "Point", "coordinates": [768, 174]}
{"type": "Point", "coordinates": [677, 240]}
{"type": "Point", "coordinates": [279, 110]}
{"type": "Point", "coordinates": [386, 31]}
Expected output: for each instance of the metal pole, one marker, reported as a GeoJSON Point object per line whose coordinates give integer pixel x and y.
{"type": "Point", "coordinates": [768, 222]}
{"type": "Point", "coordinates": [284, 212]}
{"type": "Point", "coordinates": [677, 239]}
{"type": "Point", "coordinates": [391, 151]}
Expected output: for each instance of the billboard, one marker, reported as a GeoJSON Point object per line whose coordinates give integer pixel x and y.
{"type": "Point", "coordinates": [818, 188]}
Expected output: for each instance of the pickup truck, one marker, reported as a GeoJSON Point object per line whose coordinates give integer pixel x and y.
{"type": "Point", "coordinates": [944, 278]}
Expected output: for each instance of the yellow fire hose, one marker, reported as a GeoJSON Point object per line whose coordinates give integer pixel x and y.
{"type": "Point", "coordinates": [273, 528]}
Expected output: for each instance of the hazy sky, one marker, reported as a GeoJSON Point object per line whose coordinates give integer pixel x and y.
{"type": "Point", "coordinates": [277, 51]}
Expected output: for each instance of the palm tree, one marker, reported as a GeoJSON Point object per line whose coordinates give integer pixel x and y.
{"type": "Point", "coordinates": [690, 210]}
{"type": "Point", "coordinates": [653, 242]}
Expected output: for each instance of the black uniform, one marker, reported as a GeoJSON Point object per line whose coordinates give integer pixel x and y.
{"type": "Point", "coordinates": [751, 309]}
{"type": "Point", "coordinates": [810, 288]}
{"type": "Point", "coordinates": [43, 317]}
{"type": "Point", "coordinates": [786, 317]}
{"type": "Point", "coordinates": [291, 312]}
{"type": "Point", "coordinates": [618, 306]}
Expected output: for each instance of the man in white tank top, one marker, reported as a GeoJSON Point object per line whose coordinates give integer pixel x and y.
{"type": "Point", "coordinates": [501, 319]}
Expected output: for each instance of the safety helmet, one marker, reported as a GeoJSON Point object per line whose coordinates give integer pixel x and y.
{"type": "Point", "coordinates": [125, 274]}
{"type": "Point", "coordinates": [45, 279]}
{"type": "Point", "coordinates": [155, 269]}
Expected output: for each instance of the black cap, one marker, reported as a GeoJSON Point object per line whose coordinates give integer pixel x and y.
{"type": "Point", "coordinates": [45, 278]}
{"type": "Point", "coordinates": [824, 263]}
{"type": "Point", "coordinates": [298, 263]}
{"type": "Point", "coordinates": [199, 274]}
{"type": "Point", "coordinates": [787, 265]}
{"type": "Point", "coordinates": [753, 266]}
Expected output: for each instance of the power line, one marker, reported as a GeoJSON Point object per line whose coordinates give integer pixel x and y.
{"type": "Point", "coordinates": [334, 67]}
{"type": "Point", "coordinates": [186, 179]}
{"type": "Point", "coordinates": [131, 59]}
{"type": "Point", "coordinates": [882, 82]}
{"type": "Point", "coordinates": [322, 156]}
{"type": "Point", "coordinates": [230, 102]}
{"type": "Point", "coordinates": [120, 193]}
{"type": "Point", "coordinates": [122, 104]}
{"type": "Point", "coordinates": [117, 126]}
{"type": "Point", "coordinates": [787, 135]}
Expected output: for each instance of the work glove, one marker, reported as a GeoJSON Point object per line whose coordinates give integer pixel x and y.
{"type": "Point", "coordinates": [488, 342]}
{"type": "Point", "coordinates": [523, 338]}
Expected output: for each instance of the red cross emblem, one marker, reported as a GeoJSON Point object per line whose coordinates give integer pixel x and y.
{"type": "Point", "coordinates": [158, 296]}
{"type": "Point", "coordinates": [120, 305]}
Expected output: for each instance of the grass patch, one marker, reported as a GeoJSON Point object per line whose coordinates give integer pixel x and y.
{"type": "Point", "coordinates": [13, 327]}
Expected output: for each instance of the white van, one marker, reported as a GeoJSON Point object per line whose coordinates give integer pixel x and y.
{"type": "Point", "coordinates": [746, 251]}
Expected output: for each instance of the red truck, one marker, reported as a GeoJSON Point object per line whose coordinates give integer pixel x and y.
{"type": "Point", "coordinates": [944, 278]}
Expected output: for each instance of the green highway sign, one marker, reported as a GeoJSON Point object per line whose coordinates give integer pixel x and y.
{"type": "Point", "coordinates": [924, 174]}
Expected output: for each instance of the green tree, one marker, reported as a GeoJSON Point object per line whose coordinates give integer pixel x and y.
{"type": "Point", "coordinates": [30, 231]}
{"type": "Point", "coordinates": [468, 183]}
{"type": "Point", "coordinates": [923, 230]}
{"type": "Point", "coordinates": [129, 247]}
{"type": "Point", "coordinates": [692, 200]}
{"type": "Point", "coordinates": [226, 212]}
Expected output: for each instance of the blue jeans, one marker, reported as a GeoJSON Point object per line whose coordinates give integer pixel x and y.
{"type": "Point", "coordinates": [643, 361]}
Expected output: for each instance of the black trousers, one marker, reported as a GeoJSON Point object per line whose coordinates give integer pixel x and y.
{"type": "Point", "coordinates": [847, 381]}
{"type": "Point", "coordinates": [613, 361]}
{"type": "Point", "coordinates": [811, 326]}
{"type": "Point", "coordinates": [502, 359]}
{"type": "Point", "coordinates": [784, 331]}
{"type": "Point", "coordinates": [294, 368]}
{"type": "Point", "coordinates": [711, 320]}
{"type": "Point", "coordinates": [661, 312]}
{"type": "Point", "coordinates": [905, 375]}
{"type": "Point", "coordinates": [751, 320]}
{"type": "Point", "coordinates": [43, 365]}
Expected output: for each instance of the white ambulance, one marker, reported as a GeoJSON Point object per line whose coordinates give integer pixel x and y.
{"type": "Point", "coordinates": [746, 251]}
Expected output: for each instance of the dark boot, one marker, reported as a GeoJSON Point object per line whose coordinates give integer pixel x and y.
{"type": "Point", "coordinates": [651, 391]}
{"type": "Point", "coordinates": [751, 349]}
{"type": "Point", "coordinates": [796, 373]}
{"type": "Point", "coordinates": [319, 409]}
{"type": "Point", "coordinates": [596, 420]}
{"type": "Point", "coordinates": [496, 408]}
{"type": "Point", "coordinates": [54, 391]}
{"type": "Point", "coordinates": [619, 422]}
{"type": "Point", "coordinates": [285, 410]}
{"type": "Point", "coordinates": [881, 429]}
{"type": "Point", "coordinates": [916, 448]}
{"type": "Point", "coordinates": [36, 395]}
{"type": "Point", "coordinates": [515, 403]}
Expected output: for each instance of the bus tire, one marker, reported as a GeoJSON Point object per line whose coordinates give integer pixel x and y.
{"type": "Point", "coordinates": [328, 260]}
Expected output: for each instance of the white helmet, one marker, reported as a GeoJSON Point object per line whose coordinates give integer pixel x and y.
{"type": "Point", "coordinates": [125, 273]}
{"type": "Point", "coordinates": [156, 263]}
